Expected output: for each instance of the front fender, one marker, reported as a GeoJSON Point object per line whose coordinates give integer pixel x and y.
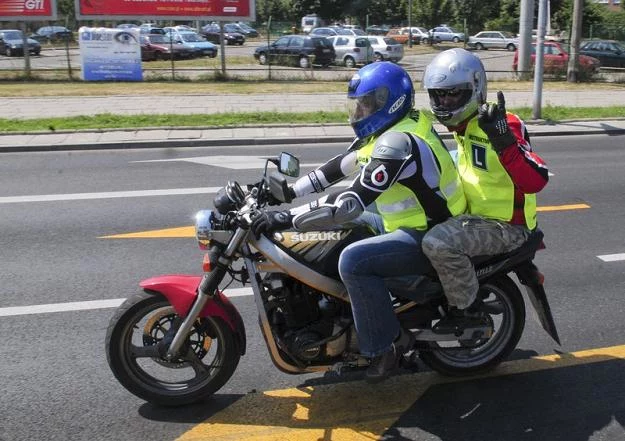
{"type": "Point", "coordinates": [181, 291]}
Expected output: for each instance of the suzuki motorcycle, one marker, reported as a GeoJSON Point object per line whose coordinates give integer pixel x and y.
{"type": "Point", "coordinates": [180, 339]}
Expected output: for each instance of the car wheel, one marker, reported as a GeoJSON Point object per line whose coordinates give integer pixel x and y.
{"type": "Point", "coordinates": [378, 57]}
{"type": "Point", "coordinates": [262, 58]}
{"type": "Point", "coordinates": [479, 46]}
{"type": "Point", "coordinates": [10, 52]}
{"type": "Point", "coordinates": [456, 40]}
{"type": "Point", "coordinates": [425, 41]}
{"type": "Point", "coordinates": [349, 62]}
{"type": "Point", "coordinates": [37, 53]}
{"type": "Point", "coordinates": [304, 63]}
{"type": "Point", "coordinates": [511, 47]}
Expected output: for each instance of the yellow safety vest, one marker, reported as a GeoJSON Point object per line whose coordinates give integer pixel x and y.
{"type": "Point", "coordinates": [487, 185]}
{"type": "Point", "coordinates": [399, 206]}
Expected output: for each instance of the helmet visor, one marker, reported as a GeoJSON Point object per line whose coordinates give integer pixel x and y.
{"type": "Point", "coordinates": [363, 106]}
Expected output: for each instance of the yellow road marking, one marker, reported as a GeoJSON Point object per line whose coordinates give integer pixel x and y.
{"type": "Point", "coordinates": [186, 232]}
{"type": "Point", "coordinates": [353, 410]}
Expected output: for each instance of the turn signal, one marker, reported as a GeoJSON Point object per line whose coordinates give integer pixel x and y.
{"type": "Point", "coordinates": [206, 264]}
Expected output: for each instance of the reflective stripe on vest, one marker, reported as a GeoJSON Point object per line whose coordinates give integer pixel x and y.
{"type": "Point", "coordinates": [487, 185]}
{"type": "Point", "coordinates": [399, 206]}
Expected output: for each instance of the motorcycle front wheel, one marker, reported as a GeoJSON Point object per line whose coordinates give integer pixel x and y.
{"type": "Point", "coordinates": [469, 357]}
{"type": "Point", "coordinates": [136, 341]}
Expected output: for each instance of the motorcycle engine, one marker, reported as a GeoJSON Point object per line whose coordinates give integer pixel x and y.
{"type": "Point", "coordinates": [311, 326]}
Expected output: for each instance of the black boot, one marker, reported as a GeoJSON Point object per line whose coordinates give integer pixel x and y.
{"type": "Point", "coordinates": [457, 320]}
{"type": "Point", "coordinates": [383, 365]}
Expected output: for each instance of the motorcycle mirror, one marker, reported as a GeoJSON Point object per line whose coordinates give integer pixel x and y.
{"type": "Point", "coordinates": [288, 165]}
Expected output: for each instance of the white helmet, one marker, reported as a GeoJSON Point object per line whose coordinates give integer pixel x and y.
{"type": "Point", "coordinates": [461, 72]}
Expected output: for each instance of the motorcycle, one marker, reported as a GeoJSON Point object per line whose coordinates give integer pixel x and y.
{"type": "Point", "coordinates": [180, 339]}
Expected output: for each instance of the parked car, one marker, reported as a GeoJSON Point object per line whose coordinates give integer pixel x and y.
{"type": "Point", "coordinates": [386, 48]}
{"type": "Point", "coordinates": [127, 26]}
{"type": "Point", "coordinates": [351, 51]}
{"type": "Point", "coordinates": [160, 47]}
{"type": "Point", "coordinates": [446, 33]}
{"type": "Point", "coordinates": [330, 31]}
{"type": "Point", "coordinates": [12, 43]}
{"type": "Point", "coordinates": [419, 35]}
{"type": "Point", "coordinates": [193, 40]}
{"type": "Point", "coordinates": [149, 28]}
{"type": "Point", "coordinates": [401, 35]}
{"type": "Point", "coordinates": [610, 53]}
{"type": "Point", "coordinates": [297, 50]}
{"type": "Point", "coordinates": [212, 34]}
{"type": "Point", "coordinates": [493, 40]}
{"type": "Point", "coordinates": [245, 29]}
{"type": "Point", "coordinates": [377, 29]}
{"type": "Point", "coordinates": [557, 58]}
{"type": "Point", "coordinates": [47, 34]}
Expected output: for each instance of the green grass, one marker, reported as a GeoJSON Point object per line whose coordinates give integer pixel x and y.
{"type": "Point", "coordinates": [110, 121]}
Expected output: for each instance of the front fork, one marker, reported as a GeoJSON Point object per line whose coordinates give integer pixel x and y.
{"type": "Point", "coordinates": [206, 291]}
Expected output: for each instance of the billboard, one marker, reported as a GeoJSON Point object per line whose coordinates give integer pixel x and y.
{"type": "Point", "coordinates": [226, 10]}
{"type": "Point", "coordinates": [110, 54]}
{"type": "Point", "coordinates": [27, 10]}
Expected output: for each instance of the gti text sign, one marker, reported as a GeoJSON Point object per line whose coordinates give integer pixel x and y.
{"type": "Point", "coordinates": [227, 10]}
{"type": "Point", "coordinates": [27, 10]}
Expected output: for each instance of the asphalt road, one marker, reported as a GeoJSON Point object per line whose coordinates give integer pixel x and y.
{"type": "Point", "coordinates": [56, 207]}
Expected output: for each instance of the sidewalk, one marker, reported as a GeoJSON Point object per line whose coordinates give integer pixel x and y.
{"type": "Point", "coordinates": [250, 134]}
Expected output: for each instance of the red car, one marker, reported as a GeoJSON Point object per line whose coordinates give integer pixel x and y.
{"type": "Point", "coordinates": [557, 59]}
{"type": "Point", "coordinates": [160, 47]}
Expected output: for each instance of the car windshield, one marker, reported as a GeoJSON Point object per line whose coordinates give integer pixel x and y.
{"type": "Point", "coordinates": [158, 38]}
{"type": "Point", "coordinates": [13, 35]}
{"type": "Point", "coordinates": [508, 34]}
{"type": "Point", "coordinates": [191, 37]}
{"type": "Point", "coordinates": [321, 42]}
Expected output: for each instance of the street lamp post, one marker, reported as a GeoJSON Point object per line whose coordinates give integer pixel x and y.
{"type": "Point", "coordinates": [409, 23]}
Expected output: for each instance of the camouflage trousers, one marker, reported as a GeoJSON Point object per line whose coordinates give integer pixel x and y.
{"type": "Point", "coordinates": [449, 246]}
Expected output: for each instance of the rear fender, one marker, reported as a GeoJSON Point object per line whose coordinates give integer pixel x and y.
{"type": "Point", "coordinates": [181, 291]}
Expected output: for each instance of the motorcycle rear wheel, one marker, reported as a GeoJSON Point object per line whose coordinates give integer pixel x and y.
{"type": "Point", "coordinates": [473, 357]}
{"type": "Point", "coordinates": [211, 353]}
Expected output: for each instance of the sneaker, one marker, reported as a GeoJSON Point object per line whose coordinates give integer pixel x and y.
{"type": "Point", "coordinates": [383, 365]}
{"type": "Point", "coordinates": [457, 320]}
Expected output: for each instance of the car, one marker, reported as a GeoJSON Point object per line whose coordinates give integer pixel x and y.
{"type": "Point", "coordinates": [493, 40]}
{"type": "Point", "coordinates": [386, 48]}
{"type": "Point", "coordinates": [49, 34]}
{"type": "Point", "coordinates": [610, 53]}
{"type": "Point", "coordinates": [401, 35]}
{"type": "Point", "coordinates": [419, 35]}
{"type": "Point", "coordinates": [446, 33]}
{"type": "Point", "coordinates": [330, 31]}
{"type": "Point", "coordinates": [297, 50]}
{"type": "Point", "coordinates": [211, 33]}
{"type": "Point", "coordinates": [160, 47]}
{"type": "Point", "coordinates": [193, 40]}
{"type": "Point", "coordinates": [377, 29]}
{"type": "Point", "coordinates": [352, 51]}
{"type": "Point", "coordinates": [127, 26]}
{"type": "Point", "coordinates": [12, 43]}
{"type": "Point", "coordinates": [557, 58]}
{"type": "Point", "coordinates": [245, 29]}
{"type": "Point", "coordinates": [149, 28]}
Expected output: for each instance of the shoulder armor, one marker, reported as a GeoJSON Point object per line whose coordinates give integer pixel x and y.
{"type": "Point", "coordinates": [392, 145]}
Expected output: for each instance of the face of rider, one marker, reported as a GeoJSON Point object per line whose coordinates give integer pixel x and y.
{"type": "Point", "coordinates": [449, 99]}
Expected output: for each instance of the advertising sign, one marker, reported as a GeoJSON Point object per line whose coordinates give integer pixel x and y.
{"type": "Point", "coordinates": [27, 10]}
{"type": "Point", "coordinates": [227, 10]}
{"type": "Point", "coordinates": [110, 54]}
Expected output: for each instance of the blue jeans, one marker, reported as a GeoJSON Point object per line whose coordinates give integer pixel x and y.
{"type": "Point", "coordinates": [363, 266]}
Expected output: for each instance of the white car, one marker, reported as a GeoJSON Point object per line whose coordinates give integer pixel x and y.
{"type": "Point", "coordinates": [352, 51]}
{"type": "Point", "coordinates": [386, 48]}
{"type": "Point", "coordinates": [493, 40]}
{"type": "Point", "coordinates": [419, 35]}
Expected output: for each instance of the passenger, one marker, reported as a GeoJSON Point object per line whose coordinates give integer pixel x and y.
{"type": "Point", "coordinates": [500, 176]}
{"type": "Point", "coordinates": [409, 175]}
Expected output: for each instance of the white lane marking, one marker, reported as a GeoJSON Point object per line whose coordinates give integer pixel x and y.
{"type": "Point", "coordinates": [91, 304]}
{"type": "Point", "coordinates": [116, 194]}
{"type": "Point", "coordinates": [230, 162]}
{"type": "Point", "coordinates": [612, 257]}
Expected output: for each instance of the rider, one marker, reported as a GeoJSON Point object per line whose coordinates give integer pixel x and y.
{"type": "Point", "coordinates": [409, 174]}
{"type": "Point", "coordinates": [500, 175]}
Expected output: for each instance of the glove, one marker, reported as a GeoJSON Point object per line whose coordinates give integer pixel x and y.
{"type": "Point", "coordinates": [492, 119]}
{"type": "Point", "coordinates": [270, 221]}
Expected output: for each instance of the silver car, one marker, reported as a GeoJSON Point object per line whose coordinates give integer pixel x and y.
{"type": "Point", "coordinates": [351, 51]}
{"type": "Point", "coordinates": [386, 48]}
{"type": "Point", "coordinates": [493, 40]}
{"type": "Point", "coordinates": [446, 33]}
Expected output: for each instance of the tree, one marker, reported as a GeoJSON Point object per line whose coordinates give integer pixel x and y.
{"type": "Point", "coordinates": [476, 13]}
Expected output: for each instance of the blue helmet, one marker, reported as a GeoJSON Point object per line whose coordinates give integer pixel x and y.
{"type": "Point", "coordinates": [379, 95]}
